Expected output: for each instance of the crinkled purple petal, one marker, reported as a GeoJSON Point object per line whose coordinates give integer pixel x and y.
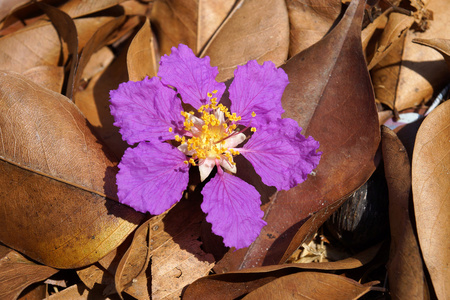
{"type": "Point", "coordinates": [257, 89]}
{"type": "Point", "coordinates": [233, 208]}
{"type": "Point", "coordinates": [307, 150]}
{"type": "Point", "coordinates": [281, 155]}
{"type": "Point", "coordinates": [144, 111]}
{"type": "Point", "coordinates": [152, 177]}
{"type": "Point", "coordinates": [193, 77]}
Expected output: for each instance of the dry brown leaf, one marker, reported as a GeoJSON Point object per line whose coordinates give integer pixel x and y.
{"type": "Point", "coordinates": [177, 259]}
{"type": "Point", "coordinates": [141, 56]}
{"type": "Point", "coordinates": [377, 25]}
{"type": "Point", "coordinates": [392, 34]}
{"type": "Point", "coordinates": [17, 272]}
{"type": "Point", "coordinates": [78, 8]}
{"type": "Point", "coordinates": [309, 285]}
{"type": "Point", "coordinates": [405, 272]}
{"type": "Point", "coordinates": [131, 272]}
{"type": "Point", "coordinates": [50, 77]}
{"type": "Point", "coordinates": [386, 73]}
{"type": "Point", "coordinates": [93, 101]}
{"type": "Point", "coordinates": [187, 22]}
{"type": "Point", "coordinates": [441, 45]}
{"type": "Point", "coordinates": [431, 186]}
{"type": "Point", "coordinates": [236, 284]}
{"type": "Point", "coordinates": [98, 62]}
{"type": "Point", "coordinates": [53, 166]}
{"type": "Point", "coordinates": [423, 69]}
{"type": "Point", "coordinates": [309, 21]}
{"type": "Point", "coordinates": [324, 80]}
{"type": "Point", "coordinates": [250, 32]}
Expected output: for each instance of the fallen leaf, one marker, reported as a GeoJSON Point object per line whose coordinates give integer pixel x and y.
{"type": "Point", "coordinates": [331, 97]}
{"type": "Point", "coordinates": [58, 181]}
{"type": "Point", "coordinates": [430, 186]}
{"type": "Point", "coordinates": [78, 8]}
{"type": "Point", "coordinates": [17, 272]}
{"type": "Point", "coordinates": [141, 56]}
{"type": "Point", "coordinates": [441, 45]}
{"type": "Point", "coordinates": [177, 259]}
{"type": "Point", "coordinates": [131, 272]}
{"type": "Point", "coordinates": [50, 77]}
{"type": "Point", "coordinates": [309, 285]}
{"type": "Point", "coordinates": [238, 283]}
{"type": "Point", "coordinates": [309, 21]}
{"type": "Point", "coordinates": [423, 70]}
{"type": "Point", "coordinates": [250, 32]}
{"type": "Point", "coordinates": [187, 22]}
{"type": "Point", "coordinates": [405, 272]}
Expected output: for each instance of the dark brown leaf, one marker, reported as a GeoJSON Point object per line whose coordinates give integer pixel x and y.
{"type": "Point", "coordinates": [331, 97]}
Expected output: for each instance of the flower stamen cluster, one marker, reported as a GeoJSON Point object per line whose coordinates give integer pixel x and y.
{"type": "Point", "coordinates": [205, 137]}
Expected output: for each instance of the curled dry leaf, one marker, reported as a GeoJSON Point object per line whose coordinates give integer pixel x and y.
{"type": "Point", "coordinates": [141, 56]}
{"type": "Point", "coordinates": [405, 272]}
{"type": "Point", "coordinates": [239, 283]}
{"type": "Point", "coordinates": [309, 21]}
{"type": "Point", "coordinates": [57, 180]}
{"type": "Point", "coordinates": [309, 285]}
{"type": "Point", "coordinates": [244, 36]}
{"type": "Point", "coordinates": [187, 22]}
{"type": "Point", "coordinates": [131, 272]}
{"type": "Point", "coordinates": [331, 97]}
{"type": "Point", "coordinates": [17, 272]}
{"type": "Point", "coordinates": [431, 186]}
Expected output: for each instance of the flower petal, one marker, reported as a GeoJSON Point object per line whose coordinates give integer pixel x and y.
{"type": "Point", "coordinates": [152, 177]}
{"type": "Point", "coordinates": [233, 208]}
{"type": "Point", "coordinates": [193, 77]}
{"type": "Point", "coordinates": [257, 89]}
{"type": "Point", "coordinates": [281, 155]}
{"type": "Point", "coordinates": [144, 111]}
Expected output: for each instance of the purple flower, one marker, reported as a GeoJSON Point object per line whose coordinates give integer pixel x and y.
{"type": "Point", "coordinates": [154, 174]}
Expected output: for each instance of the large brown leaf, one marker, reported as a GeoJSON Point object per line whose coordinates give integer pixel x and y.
{"type": "Point", "coordinates": [331, 97]}
{"type": "Point", "coordinates": [57, 181]}
{"type": "Point", "coordinates": [406, 275]}
{"type": "Point", "coordinates": [250, 32]}
{"type": "Point", "coordinates": [431, 186]}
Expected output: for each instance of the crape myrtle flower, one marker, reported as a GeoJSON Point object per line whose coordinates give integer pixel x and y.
{"type": "Point", "coordinates": [154, 174]}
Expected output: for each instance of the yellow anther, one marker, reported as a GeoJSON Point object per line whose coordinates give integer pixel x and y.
{"type": "Point", "coordinates": [209, 95]}
{"type": "Point", "coordinates": [191, 112]}
{"type": "Point", "coordinates": [186, 162]}
{"type": "Point", "coordinates": [253, 129]}
{"type": "Point", "coordinates": [214, 92]}
{"type": "Point", "coordinates": [192, 162]}
{"type": "Point", "coordinates": [253, 114]}
{"type": "Point", "coordinates": [170, 129]}
{"type": "Point", "coordinates": [177, 138]}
